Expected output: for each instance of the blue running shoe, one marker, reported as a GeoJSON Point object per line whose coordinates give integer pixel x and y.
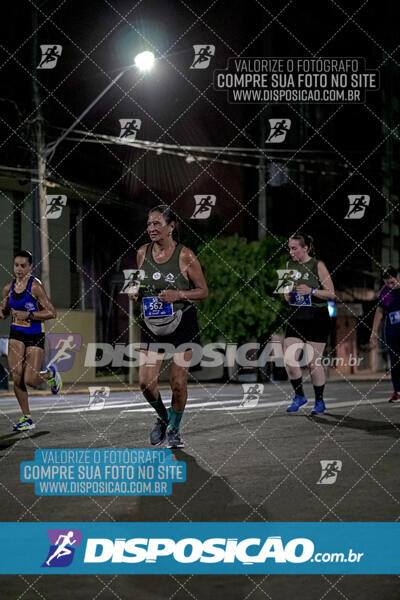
{"type": "Point", "coordinates": [158, 433]}
{"type": "Point", "coordinates": [55, 381]}
{"type": "Point", "coordinates": [24, 424]}
{"type": "Point", "coordinates": [319, 407]}
{"type": "Point", "coordinates": [296, 403]}
{"type": "Point", "coordinates": [174, 438]}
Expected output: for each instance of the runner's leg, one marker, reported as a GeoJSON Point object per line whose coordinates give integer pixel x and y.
{"type": "Point", "coordinates": [16, 355]}
{"type": "Point", "coordinates": [317, 373]}
{"type": "Point", "coordinates": [149, 371]}
{"type": "Point", "coordinates": [178, 381]}
{"type": "Point", "coordinates": [33, 364]}
{"type": "Point", "coordinates": [292, 347]}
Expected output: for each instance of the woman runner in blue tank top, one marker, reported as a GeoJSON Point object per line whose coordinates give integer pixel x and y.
{"type": "Point", "coordinates": [25, 298]}
{"type": "Point", "coordinates": [180, 289]}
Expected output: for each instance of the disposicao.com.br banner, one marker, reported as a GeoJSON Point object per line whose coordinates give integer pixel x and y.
{"type": "Point", "coordinates": [199, 548]}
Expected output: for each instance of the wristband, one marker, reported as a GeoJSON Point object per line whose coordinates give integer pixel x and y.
{"type": "Point", "coordinates": [30, 317]}
{"type": "Point", "coordinates": [312, 292]}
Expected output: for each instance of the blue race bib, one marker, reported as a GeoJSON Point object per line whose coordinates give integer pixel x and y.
{"type": "Point", "coordinates": [153, 306]}
{"type": "Point", "coordinates": [299, 299]}
{"type": "Point", "coordinates": [394, 317]}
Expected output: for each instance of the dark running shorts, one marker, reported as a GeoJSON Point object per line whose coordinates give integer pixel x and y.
{"type": "Point", "coordinates": [33, 339]}
{"type": "Point", "coordinates": [187, 331]}
{"type": "Point", "coordinates": [311, 326]}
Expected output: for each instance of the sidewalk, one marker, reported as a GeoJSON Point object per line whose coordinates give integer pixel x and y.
{"type": "Point", "coordinates": [118, 386]}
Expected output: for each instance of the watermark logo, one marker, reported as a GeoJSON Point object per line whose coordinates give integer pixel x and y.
{"type": "Point", "coordinates": [357, 206]}
{"type": "Point", "coordinates": [195, 550]}
{"type": "Point", "coordinates": [251, 394]}
{"type": "Point", "coordinates": [132, 281]}
{"type": "Point", "coordinates": [62, 349]}
{"type": "Point", "coordinates": [329, 471]}
{"type": "Point", "coordinates": [54, 206]}
{"type": "Point", "coordinates": [203, 54]}
{"type": "Point", "coordinates": [286, 280]}
{"type": "Point", "coordinates": [63, 543]}
{"type": "Point", "coordinates": [98, 396]}
{"type": "Point", "coordinates": [29, 306]}
{"type": "Point", "coordinates": [204, 205]}
{"type": "Point", "coordinates": [129, 128]}
{"type": "Point", "coordinates": [279, 129]}
{"type": "Point", "coordinates": [50, 55]}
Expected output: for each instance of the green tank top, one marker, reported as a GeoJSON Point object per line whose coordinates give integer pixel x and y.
{"type": "Point", "coordinates": [309, 277]}
{"type": "Point", "coordinates": [163, 276]}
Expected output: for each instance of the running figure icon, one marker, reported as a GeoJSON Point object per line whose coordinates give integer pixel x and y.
{"type": "Point", "coordinates": [62, 549]}
{"type": "Point", "coordinates": [279, 129]}
{"type": "Point", "coordinates": [63, 345]}
{"type": "Point", "coordinates": [357, 206]}
{"type": "Point", "coordinates": [204, 205]}
{"type": "Point", "coordinates": [330, 470]}
{"type": "Point", "coordinates": [54, 207]}
{"type": "Point", "coordinates": [203, 55]}
{"type": "Point", "coordinates": [50, 55]}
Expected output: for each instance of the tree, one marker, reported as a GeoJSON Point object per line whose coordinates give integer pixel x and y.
{"type": "Point", "coordinates": [241, 277]}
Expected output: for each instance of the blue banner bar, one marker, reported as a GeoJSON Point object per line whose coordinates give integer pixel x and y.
{"type": "Point", "coordinates": [199, 548]}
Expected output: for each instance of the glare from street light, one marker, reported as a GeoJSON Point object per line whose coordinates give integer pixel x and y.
{"type": "Point", "coordinates": [144, 61]}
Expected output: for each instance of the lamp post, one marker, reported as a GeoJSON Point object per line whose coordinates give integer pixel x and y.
{"type": "Point", "coordinates": [144, 62]}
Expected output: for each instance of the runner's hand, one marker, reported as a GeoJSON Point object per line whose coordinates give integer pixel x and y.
{"type": "Point", "coordinates": [303, 289]}
{"type": "Point", "coordinates": [20, 315]}
{"type": "Point", "coordinates": [373, 340]}
{"type": "Point", "coordinates": [170, 295]}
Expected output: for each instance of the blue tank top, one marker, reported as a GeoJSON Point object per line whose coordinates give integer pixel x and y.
{"type": "Point", "coordinates": [25, 301]}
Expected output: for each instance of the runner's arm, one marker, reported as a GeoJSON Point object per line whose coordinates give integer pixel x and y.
{"type": "Point", "coordinates": [4, 306]}
{"type": "Point", "coordinates": [378, 318]}
{"type": "Point", "coordinates": [190, 266]}
{"type": "Point", "coordinates": [139, 261]}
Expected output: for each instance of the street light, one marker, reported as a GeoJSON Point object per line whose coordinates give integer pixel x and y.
{"type": "Point", "coordinates": [144, 62]}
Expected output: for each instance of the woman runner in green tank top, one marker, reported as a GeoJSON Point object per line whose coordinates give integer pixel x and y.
{"type": "Point", "coordinates": [309, 321]}
{"type": "Point", "coordinates": [173, 274]}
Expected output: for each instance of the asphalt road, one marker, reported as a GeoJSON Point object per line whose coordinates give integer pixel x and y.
{"type": "Point", "coordinates": [244, 463]}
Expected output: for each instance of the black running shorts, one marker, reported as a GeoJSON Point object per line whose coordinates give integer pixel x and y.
{"type": "Point", "coordinates": [33, 339]}
{"type": "Point", "coordinates": [309, 324]}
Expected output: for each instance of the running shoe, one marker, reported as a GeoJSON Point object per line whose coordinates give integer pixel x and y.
{"type": "Point", "coordinates": [55, 381]}
{"type": "Point", "coordinates": [157, 434]}
{"type": "Point", "coordinates": [174, 438]}
{"type": "Point", "coordinates": [296, 403]}
{"type": "Point", "coordinates": [395, 397]}
{"type": "Point", "coordinates": [319, 407]}
{"type": "Point", "coordinates": [24, 424]}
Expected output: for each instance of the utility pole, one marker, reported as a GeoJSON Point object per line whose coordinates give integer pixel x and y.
{"type": "Point", "coordinates": [38, 185]}
{"type": "Point", "coordinates": [262, 192]}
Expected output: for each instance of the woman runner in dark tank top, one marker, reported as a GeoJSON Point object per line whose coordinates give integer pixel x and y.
{"type": "Point", "coordinates": [309, 321]}
{"type": "Point", "coordinates": [174, 276]}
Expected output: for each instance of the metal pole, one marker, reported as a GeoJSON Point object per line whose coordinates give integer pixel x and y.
{"type": "Point", "coordinates": [50, 149]}
{"type": "Point", "coordinates": [262, 193]}
{"type": "Point", "coordinates": [134, 337]}
{"type": "Point", "coordinates": [40, 226]}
